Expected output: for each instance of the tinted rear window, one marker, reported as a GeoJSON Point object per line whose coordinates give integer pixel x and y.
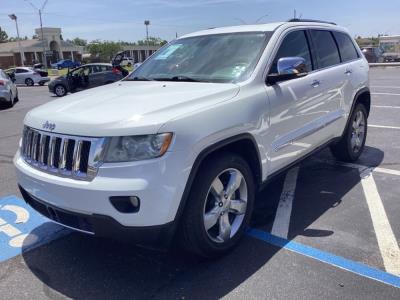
{"type": "Point", "coordinates": [325, 48]}
{"type": "Point", "coordinates": [346, 46]}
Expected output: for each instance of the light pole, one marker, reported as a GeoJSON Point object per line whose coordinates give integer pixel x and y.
{"type": "Point", "coordinates": [14, 18]}
{"type": "Point", "coordinates": [147, 23]}
{"type": "Point", "coordinates": [40, 10]}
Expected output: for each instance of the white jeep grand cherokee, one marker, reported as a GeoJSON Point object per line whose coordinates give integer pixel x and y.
{"type": "Point", "coordinates": [183, 143]}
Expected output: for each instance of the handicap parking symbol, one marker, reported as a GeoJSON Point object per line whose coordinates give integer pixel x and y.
{"type": "Point", "coordinates": [22, 228]}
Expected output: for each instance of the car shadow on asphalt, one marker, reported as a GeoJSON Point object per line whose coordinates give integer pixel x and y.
{"type": "Point", "coordinates": [80, 266]}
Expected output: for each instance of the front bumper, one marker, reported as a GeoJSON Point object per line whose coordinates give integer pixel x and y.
{"type": "Point", "coordinates": [4, 96]}
{"type": "Point", "coordinates": [158, 183]}
{"type": "Point", "coordinates": [101, 225]}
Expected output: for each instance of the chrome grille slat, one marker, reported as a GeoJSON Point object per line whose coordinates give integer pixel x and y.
{"type": "Point", "coordinates": [42, 148]}
{"type": "Point", "coordinates": [62, 155]}
{"type": "Point", "coordinates": [77, 159]}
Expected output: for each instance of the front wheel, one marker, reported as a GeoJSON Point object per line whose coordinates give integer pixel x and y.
{"type": "Point", "coordinates": [60, 90]}
{"type": "Point", "coordinates": [219, 206]}
{"type": "Point", "coordinates": [352, 143]}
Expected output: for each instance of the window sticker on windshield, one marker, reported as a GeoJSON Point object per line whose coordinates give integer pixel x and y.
{"type": "Point", "coordinates": [167, 52]}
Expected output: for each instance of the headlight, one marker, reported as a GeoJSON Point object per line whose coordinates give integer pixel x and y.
{"type": "Point", "coordinates": [139, 147]}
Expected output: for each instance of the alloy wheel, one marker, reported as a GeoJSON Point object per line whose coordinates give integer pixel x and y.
{"type": "Point", "coordinates": [225, 205]}
{"type": "Point", "coordinates": [60, 90]}
{"type": "Point", "coordinates": [358, 132]}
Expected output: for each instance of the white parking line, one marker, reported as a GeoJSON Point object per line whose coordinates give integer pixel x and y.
{"type": "Point", "coordinates": [282, 218]}
{"type": "Point", "coordinates": [383, 126]}
{"type": "Point", "coordinates": [384, 234]}
{"type": "Point", "coordinates": [385, 106]}
{"type": "Point", "coordinates": [385, 86]}
{"type": "Point", "coordinates": [386, 240]}
{"type": "Point", "coordinates": [362, 169]}
{"type": "Point", "coordinates": [390, 94]}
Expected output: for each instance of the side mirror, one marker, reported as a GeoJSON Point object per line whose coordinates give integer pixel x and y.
{"type": "Point", "coordinates": [288, 68]}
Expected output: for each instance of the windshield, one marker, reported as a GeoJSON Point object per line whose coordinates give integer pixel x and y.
{"type": "Point", "coordinates": [209, 58]}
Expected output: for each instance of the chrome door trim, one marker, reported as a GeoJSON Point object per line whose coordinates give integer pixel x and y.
{"type": "Point", "coordinates": [307, 130]}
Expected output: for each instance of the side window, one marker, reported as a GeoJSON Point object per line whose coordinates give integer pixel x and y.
{"type": "Point", "coordinates": [346, 46]}
{"type": "Point", "coordinates": [294, 44]}
{"type": "Point", "coordinates": [21, 70]}
{"type": "Point", "coordinates": [325, 48]}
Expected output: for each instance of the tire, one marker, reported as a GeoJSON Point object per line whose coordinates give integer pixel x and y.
{"type": "Point", "coordinates": [352, 142]}
{"type": "Point", "coordinates": [41, 83]}
{"type": "Point", "coordinates": [60, 90]}
{"type": "Point", "coordinates": [11, 103]}
{"type": "Point", "coordinates": [29, 82]}
{"type": "Point", "coordinates": [210, 224]}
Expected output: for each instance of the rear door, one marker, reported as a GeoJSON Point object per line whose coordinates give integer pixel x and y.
{"type": "Point", "coordinates": [97, 76]}
{"type": "Point", "coordinates": [20, 75]}
{"type": "Point", "coordinates": [352, 68]}
{"type": "Point", "coordinates": [331, 73]}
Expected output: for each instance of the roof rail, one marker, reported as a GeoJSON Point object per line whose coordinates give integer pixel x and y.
{"type": "Point", "coordinates": [310, 20]}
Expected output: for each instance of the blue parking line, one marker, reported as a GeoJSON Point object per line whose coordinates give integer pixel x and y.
{"type": "Point", "coordinates": [334, 260]}
{"type": "Point", "coordinates": [23, 229]}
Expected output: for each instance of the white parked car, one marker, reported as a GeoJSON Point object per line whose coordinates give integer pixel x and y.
{"type": "Point", "coordinates": [8, 89]}
{"type": "Point", "coordinates": [28, 76]}
{"type": "Point", "coordinates": [182, 145]}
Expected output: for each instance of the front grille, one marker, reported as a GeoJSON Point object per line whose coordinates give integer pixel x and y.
{"type": "Point", "coordinates": [62, 155]}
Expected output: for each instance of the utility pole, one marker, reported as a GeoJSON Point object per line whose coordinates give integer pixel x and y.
{"type": "Point", "coordinates": [147, 23]}
{"type": "Point", "coordinates": [21, 53]}
{"type": "Point", "coordinates": [40, 11]}
{"type": "Point", "coordinates": [294, 13]}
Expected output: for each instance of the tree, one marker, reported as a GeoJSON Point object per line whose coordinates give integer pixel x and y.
{"type": "Point", "coordinates": [3, 36]}
{"type": "Point", "coordinates": [103, 50]}
{"type": "Point", "coordinates": [153, 41]}
{"type": "Point", "coordinates": [79, 42]}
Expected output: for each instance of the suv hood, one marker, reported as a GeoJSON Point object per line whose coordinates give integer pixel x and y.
{"type": "Point", "coordinates": [128, 107]}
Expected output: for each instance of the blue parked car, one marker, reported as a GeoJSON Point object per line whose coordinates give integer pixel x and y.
{"type": "Point", "coordinates": [65, 63]}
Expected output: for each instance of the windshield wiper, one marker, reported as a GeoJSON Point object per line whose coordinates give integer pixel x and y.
{"type": "Point", "coordinates": [180, 78]}
{"type": "Point", "coordinates": [139, 78]}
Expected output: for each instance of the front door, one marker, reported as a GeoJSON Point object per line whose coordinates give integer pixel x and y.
{"type": "Point", "coordinates": [298, 107]}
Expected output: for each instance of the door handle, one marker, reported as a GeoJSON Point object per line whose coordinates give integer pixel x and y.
{"type": "Point", "coordinates": [315, 83]}
{"type": "Point", "coordinates": [348, 72]}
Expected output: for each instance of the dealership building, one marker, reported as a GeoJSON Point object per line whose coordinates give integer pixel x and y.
{"type": "Point", "coordinates": [55, 49]}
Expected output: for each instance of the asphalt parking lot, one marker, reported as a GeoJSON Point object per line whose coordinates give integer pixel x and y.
{"type": "Point", "coordinates": [322, 230]}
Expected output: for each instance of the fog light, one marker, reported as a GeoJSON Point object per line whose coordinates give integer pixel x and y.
{"type": "Point", "coordinates": [125, 204]}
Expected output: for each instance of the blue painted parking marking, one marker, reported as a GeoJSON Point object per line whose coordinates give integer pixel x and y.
{"type": "Point", "coordinates": [22, 228]}
{"type": "Point", "coordinates": [334, 260]}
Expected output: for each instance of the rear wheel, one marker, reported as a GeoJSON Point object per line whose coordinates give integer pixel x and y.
{"type": "Point", "coordinates": [352, 143]}
{"type": "Point", "coordinates": [11, 102]}
{"type": "Point", "coordinates": [60, 90]}
{"type": "Point", "coordinates": [219, 206]}
{"type": "Point", "coordinates": [29, 82]}
{"type": "Point", "coordinates": [41, 83]}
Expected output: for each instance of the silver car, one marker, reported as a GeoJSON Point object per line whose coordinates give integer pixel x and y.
{"type": "Point", "coordinates": [28, 76]}
{"type": "Point", "coordinates": [8, 89]}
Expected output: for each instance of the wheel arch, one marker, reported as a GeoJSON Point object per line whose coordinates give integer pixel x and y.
{"type": "Point", "coordinates": [363, 96]}
{"type": "Point", "coordinates": [244, 145]}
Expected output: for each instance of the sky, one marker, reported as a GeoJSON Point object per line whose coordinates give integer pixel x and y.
{"type": "Point", "coordinates": [123, 19]}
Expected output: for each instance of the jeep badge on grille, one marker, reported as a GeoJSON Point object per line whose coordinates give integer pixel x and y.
{"type": "Point", "coordinates": [49, 126]}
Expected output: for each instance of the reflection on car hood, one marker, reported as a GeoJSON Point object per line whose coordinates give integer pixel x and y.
{"type": "Point", "coordinates": [130, 107]}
